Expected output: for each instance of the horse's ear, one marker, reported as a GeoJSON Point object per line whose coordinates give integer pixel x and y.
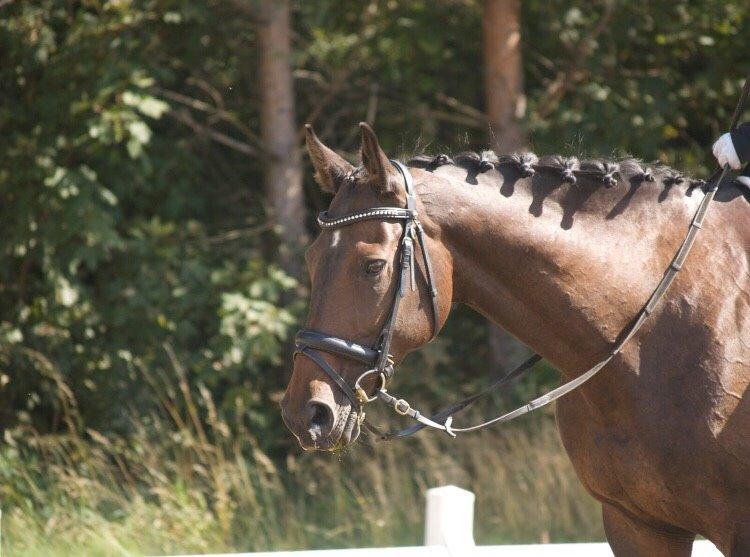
{"type": "Point", "coordinates": [330, 167]}
{"type": "Point", "coordinates": [382, 175]}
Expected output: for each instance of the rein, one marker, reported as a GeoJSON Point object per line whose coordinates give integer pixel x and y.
{"type": "Point", "coordinates": [379, 362]}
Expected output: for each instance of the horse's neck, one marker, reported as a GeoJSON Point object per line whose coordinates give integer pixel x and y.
{"type": "Point", "coordinates": [564, 272]}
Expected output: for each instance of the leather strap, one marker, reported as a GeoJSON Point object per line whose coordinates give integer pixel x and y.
{"type": "Point", "coordinates": [430, 281]}
{"type": "Point", "coordinates": [421, 240]}
{"type": "Point", "coordinates": [457, 407]}
{"type": "Point", "coordinates": [335, 345]}
{"type": "Point", "coordinates": [318, 359]}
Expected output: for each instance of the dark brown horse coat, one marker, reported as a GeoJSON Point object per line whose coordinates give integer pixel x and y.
{"type": "Point", "coordinates": [662, 435]}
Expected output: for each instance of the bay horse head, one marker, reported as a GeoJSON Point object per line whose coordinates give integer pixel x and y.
{"type": "Point", "coordinates": [373, 299]}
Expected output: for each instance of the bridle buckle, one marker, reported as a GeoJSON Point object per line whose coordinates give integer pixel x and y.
{"type": "Point", "coordinates": [402, 407]}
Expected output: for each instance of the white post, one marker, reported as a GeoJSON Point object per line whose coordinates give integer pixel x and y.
{"type": "Point", "coordinates": [449, 519]}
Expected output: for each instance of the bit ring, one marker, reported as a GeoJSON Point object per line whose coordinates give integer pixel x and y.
{"type": "Point", "coordinates": [362, 395]}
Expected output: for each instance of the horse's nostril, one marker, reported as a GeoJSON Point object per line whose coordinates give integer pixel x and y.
{"type": "Point", "coordinates": [319, 419]}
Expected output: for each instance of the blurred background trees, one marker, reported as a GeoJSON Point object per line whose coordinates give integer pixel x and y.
{"type": "Point", "coordinates": [156, 200]}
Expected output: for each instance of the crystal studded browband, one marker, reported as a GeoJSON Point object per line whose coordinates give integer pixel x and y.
{"type": "Point", "coordinates": [379, 213]}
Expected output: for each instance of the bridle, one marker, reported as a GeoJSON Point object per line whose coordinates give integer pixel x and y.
{"type": "Point", "coordinates": [378, 361]}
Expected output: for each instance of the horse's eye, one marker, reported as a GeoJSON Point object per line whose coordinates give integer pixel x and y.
{"type": "Point", "coordinates": [374, 266]}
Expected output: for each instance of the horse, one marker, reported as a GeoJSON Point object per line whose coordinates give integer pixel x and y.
{"type": "Point", "coordinates": [563, 256]}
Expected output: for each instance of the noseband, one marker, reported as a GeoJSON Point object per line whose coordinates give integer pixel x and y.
{"type": "Point", "coordinates": [378, 360]}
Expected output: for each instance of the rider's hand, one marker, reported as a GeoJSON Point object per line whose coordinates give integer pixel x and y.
{"type": "Point", "coordinates": [725, 152]}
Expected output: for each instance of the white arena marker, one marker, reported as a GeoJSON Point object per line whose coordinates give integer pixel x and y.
{"type": "Point", "coordinates": [449, 520]}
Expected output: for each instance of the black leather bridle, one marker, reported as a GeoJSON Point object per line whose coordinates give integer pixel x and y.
{"type": "Point", "coordinates": [378, 361]}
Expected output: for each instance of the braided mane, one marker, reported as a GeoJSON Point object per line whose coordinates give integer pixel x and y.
{"type": "Point", "coordinates": [568, 169]}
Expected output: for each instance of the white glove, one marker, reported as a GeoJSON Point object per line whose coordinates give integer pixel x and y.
{"type": "Point", "coordinates": [725, 152]}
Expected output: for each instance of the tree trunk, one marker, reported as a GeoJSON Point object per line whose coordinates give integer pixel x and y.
{"type": "Point", "coordinates": [283, 165]}
{"type": "Point", "coordinates": [503, 82]}
{"type": "Point", "coordinates": [505, 106]}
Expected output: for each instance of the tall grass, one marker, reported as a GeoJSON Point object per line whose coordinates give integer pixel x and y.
{"type": "Point", "coordinates": [187, 482]}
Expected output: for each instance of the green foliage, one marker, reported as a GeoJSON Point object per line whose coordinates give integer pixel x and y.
{"type": "Point", "coordinates": [113, 219]}
{"type": "Point", "coordinates": [656, 79]}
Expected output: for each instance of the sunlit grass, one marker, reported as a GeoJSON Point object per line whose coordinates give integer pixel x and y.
{"type": "Point", "coordinates": [185, 485]}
